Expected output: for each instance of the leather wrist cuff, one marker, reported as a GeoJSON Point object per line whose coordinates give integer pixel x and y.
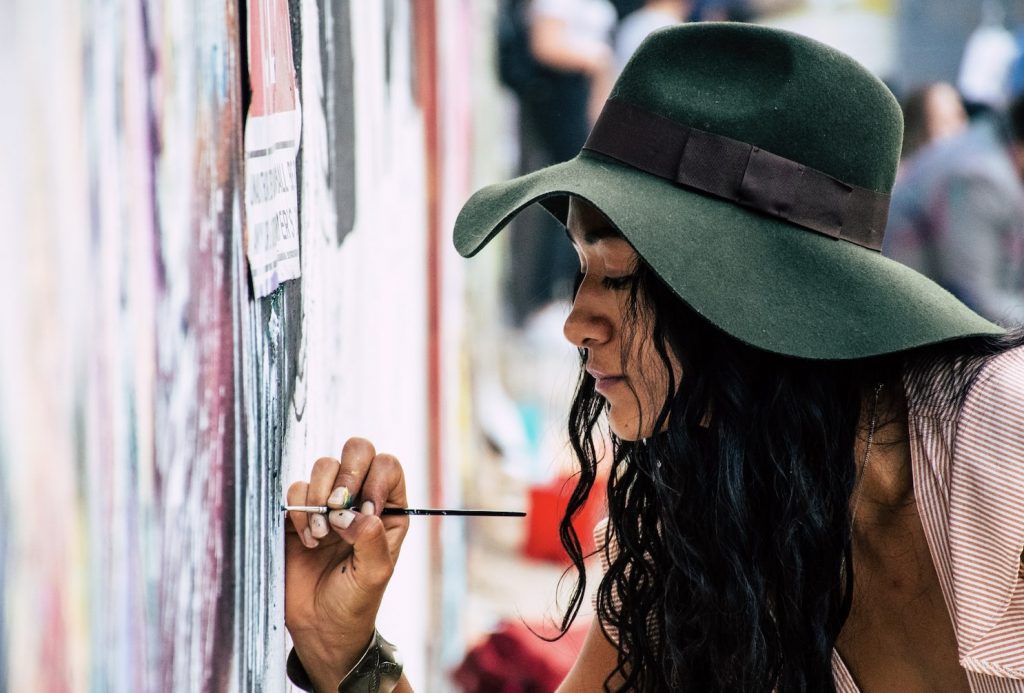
{"type": "Point", "coordinates": [377, 671]}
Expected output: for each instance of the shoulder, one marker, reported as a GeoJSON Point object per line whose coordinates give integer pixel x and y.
{"type": "Point", "coordinates": [999, 386]}
{"type": "Point", "coordinates": [990, 424]}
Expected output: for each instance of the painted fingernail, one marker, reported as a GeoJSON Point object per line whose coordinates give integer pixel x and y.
{"type": "Point", "coordinates": [339, 498]}
{"type": "Point", "coordinates": [367, 508]}
{"type": "Point", "coordinates": [341, 518]}
{"type": "Point", "coordinates": [318, 525]}
{"type": "Point", "coordinates": [308, 540]}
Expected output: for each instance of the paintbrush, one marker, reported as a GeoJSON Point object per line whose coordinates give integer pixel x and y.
{"type": "Point", "coordinates": [322, 509]}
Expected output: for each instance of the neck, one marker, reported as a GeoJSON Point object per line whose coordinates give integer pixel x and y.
{"type": "Point", "coordinates": [886, 481]}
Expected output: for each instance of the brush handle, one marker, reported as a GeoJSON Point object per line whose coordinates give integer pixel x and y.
{"type": "Point", "coordinates": [321, 509]}
{"type": "Point", "coordinates": [440, 511]}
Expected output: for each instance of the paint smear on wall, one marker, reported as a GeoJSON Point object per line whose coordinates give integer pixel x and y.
{"type": "Point", "coordinates": [335, 53]}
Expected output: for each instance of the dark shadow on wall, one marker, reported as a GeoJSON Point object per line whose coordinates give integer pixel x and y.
{"type": "Point", "coordinates": [338, 104]}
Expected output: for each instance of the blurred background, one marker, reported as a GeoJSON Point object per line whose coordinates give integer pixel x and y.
{"type": "Point", "coordinates": [226, 245]}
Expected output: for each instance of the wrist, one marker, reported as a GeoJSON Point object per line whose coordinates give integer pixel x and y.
{"type": "Point", "coordinates": [327, 660]}
{"type": "Point", "coordinates": [378, 669]}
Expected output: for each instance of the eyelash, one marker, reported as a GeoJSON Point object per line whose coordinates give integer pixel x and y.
{"type": "Point", "coordinates": [618, 283]}
{"type": "Point", "coordinates": [611, 283]}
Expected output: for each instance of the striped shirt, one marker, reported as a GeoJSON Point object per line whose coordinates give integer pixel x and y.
{"type": "Point", "coordinates": [968, 470]}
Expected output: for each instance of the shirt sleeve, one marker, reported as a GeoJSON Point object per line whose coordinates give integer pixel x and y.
{"type": "Point", "coordinates": [986, 520]}
{"type": "Point", "coordinates": [607, 551]}
{"type": "Point", "coordinates": [557, 9]}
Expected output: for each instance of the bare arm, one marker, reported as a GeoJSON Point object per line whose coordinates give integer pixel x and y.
{"type": "Point", "coordinates": [550, 47]}
{"type": "Point", "coordinates": [597, 659]}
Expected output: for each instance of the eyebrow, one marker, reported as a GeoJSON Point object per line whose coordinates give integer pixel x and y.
{"type": "Point", "coordinates": [593, 235]}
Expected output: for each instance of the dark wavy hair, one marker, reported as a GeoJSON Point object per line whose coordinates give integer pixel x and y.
{"type": "Point", "coordinates": [734, 564]}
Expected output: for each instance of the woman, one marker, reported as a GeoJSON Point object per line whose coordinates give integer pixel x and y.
{"type": "Point", "coordinates": [818, 456]}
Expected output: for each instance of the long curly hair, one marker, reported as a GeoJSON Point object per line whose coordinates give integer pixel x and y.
{"type": "Point", "coordinates": [733, 569]}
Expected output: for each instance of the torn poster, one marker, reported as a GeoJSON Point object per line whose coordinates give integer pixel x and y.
{"type": "Point", "coordinates": [272, 131]}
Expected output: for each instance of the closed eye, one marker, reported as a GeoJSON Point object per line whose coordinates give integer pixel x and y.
{"type": "Point", "coordinates": [619, 283]}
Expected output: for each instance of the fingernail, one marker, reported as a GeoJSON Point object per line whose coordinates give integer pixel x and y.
{"type": "Point", "coordinates": [367, 508]}
{"type": "Point", "coordinates": [318, 525]}
{"type": "Point", "coordinates": [308, 540]}
{"type": "Point", "coordinates": [339, 498]}
{"type": "Point", "coordinates": [341, 518]}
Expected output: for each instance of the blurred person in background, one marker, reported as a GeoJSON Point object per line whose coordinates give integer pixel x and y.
{"type": "Point", "coordinates": [654, 15]}
{"type": "Point", "coordinates": [573, 37]}
{"type": "Point", "coordinates": [569, 44]}
{"type": "Point", "coordinates": [739, 10]}
{"type": "Point", "coordinates": [720, 11]}
{"type": "Point", "coordinates": [816, 452]}
{"type": "Point", "coordinates": [957, 214]}
{"type": "Point", "coordinates": [931, 113]}
{"type": "Point", "coordinates": [987, 60]}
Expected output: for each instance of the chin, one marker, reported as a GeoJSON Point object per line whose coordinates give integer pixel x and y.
{"type": "Point", "coordinates": [625, 427]}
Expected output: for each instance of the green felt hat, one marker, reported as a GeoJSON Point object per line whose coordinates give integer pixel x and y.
{"type": "Point", "coordinates": [751, 169]}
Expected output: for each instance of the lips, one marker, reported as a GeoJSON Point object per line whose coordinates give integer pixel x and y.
{"type": "Point", "coordinates": [605, 381]}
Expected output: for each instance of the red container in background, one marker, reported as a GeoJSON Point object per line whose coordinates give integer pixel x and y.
{"type": "Point", "coordinates": [547, 505]}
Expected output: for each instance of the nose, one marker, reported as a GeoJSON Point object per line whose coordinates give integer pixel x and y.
{"type": "Point", "coordinates": [587, 325]}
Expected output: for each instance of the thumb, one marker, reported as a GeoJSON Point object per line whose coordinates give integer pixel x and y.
{"type": "Point", "coordinates": [370, 565]}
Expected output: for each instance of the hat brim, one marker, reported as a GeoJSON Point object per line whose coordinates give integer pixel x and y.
{"type": "Point", "coordinates": [762, 280]}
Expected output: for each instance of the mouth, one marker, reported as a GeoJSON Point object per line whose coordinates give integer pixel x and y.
{"type": "Point", "coordinates": [603, 382]}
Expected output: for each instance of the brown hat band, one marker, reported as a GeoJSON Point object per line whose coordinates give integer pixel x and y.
{"type": "Point", "coordinates": [741, 173]}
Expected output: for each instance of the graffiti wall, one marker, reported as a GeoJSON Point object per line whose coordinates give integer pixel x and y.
{"type": "Point", "coordinates": [120, 372]}
{"type": "Point", "coordinates": [222, 247]}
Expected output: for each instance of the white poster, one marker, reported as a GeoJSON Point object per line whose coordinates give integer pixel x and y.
{"type": "Point", "coordinates": [272, 131]}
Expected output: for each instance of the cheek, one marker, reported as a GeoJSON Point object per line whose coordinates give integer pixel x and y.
{"type": "Point", "coordinates": [635, 416]}
{"type": "Point", "coordinates": [651, 374]}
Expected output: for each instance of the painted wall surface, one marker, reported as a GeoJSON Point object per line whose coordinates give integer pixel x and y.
{"type": "Point", "coordinates": [152, 408]}
{"type": "Point", "coordinates": [363, 359]}
{"type": "Point", "coordinates": [120, 371]}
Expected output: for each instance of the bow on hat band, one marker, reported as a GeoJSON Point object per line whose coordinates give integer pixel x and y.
{"type": "Point", "coordinates": [741, 173]}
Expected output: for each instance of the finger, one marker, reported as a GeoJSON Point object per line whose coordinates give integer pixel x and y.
{"type": "Point", "coordinates": [356, 457]}
{"type": "Point", "coordinates": [371, 562]}
{"type": "Point", "coordinates": [396, 528]}
{"type": "Point", "coordinates": [321, 484]}
{"type": "Point", "coordinates": [297, 496]}
{"type": "Point", "coordinates": [384, 485]}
